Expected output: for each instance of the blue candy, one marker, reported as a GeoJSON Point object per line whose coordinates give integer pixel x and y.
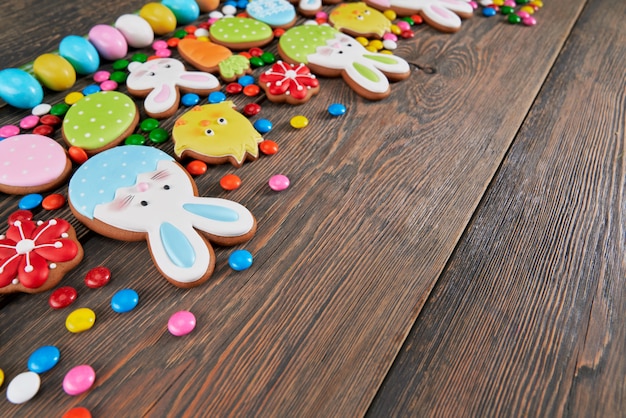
{"type": "Point", "coordinates": [91, 89]}
{"type": "Point", "coordinates": [246, 80]}
{"type": "Point", "coordinates": [190, 99]}
{"type": "Point", "coordinates": [30, 201]}
{"type": "Point", "coordinates": [124, 300]}
{"type": "Point", "coordinates": [216, 97]}
{"type": "Point", "coordinates": [20, 89]}
{"type": "Point", "coordinates": [240, 260]}
{"type": "Point", "coordinates": [489, 12]}
{"type": "Point", "coordinates": [43, 359]}
{"type": "Point", "coordinates": [80, 53]}
{"type": "Point", "coordinates": [336, 109]}
{"type": "Point", "coordinates": [263, 126]}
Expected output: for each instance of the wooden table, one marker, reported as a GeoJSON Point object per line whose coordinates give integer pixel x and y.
{"type": "Point", "coordinates": [456, 249]}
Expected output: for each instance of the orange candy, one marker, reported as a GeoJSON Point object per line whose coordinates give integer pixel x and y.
{"type": "Point", "coordinates": [78, 155]}
{"type": "Point", "coordinates": [251, 90]}
{"type": "Point", "coordinates": [78, 412]}
{"type": "Point", "coordinates": [196, 167]}
{"type": "Point", "coordinates": [230, 182]}
{"type": "Point", "coordinates": [53, 201]}
{"type": "Point", "coordinates": [268, 147]}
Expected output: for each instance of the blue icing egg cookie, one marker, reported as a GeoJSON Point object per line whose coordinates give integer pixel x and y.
{"type": "Point", "coordinates": [97, 180]}
{"type": "Point", "coordinates": [276, 13]}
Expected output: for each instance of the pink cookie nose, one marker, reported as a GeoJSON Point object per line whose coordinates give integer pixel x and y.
{"type": "Point", "coordinates": [142, 187]}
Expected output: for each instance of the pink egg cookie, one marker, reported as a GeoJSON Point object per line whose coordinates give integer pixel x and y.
{"type": "Point", "coordinates": [34, 256]}
{"type": "Point", "coordinates": [32, 163]}
{"type": "Point", "coordinates": [100, 121]}
{"type": "Point", "coordinates": [135, 192]}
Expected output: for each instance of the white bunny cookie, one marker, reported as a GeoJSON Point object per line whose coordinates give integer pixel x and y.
{"type": "Point", "coordinates": [160, 80]}
{"type": "Point", "coordinates": [331, 53]}
{"type": "Point", "coordinates": [135, 192]}
{"type": "Point", "coordinates": [444, 15]}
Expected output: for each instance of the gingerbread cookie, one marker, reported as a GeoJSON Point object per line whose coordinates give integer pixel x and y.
{"type": "Point", "coordinates": [291, 83]}
{"type": "Point", "coordinates": [276, 13]}
{"type": "Point", "coordinates": [136, 193]}
{"type": "Point", "coordinates": [358, 19]}
{"type": "Point", "coordinates": [160, 82]}
{"type": "Point", "coordinates": [34, 256]}
{"type": "Point", "coordinates": [240, 33]}
{"type": "Point", "coordinates": [444, 15]}
{"type": "Point", "coordinates": [331, 53]}
{"type": "Point", "coordinates": [100, 121]}
{"type": "Point", "coordinates": [215, 134]}
{"type": "Point", "coordinates": [234, 67]}
{"type": "Point", "coordinates": [32, 163]}
{"type": "Point", "coordinates": [203, 55]}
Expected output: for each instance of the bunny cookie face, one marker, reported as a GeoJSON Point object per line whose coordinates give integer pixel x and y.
{"type": "Point", "coordinates": [136, 192]}
{"type": "Point", "coordinates": [161, 79]}
{"type": "Point", "coordinates": [366, 72]}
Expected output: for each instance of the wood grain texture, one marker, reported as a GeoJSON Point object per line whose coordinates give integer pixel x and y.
{"type": "Point", "coordinates": [344, 259]}
{"type": "Point", "coordinates": [527, 319]}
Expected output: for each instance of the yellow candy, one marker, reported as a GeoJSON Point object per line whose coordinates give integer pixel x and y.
{"type": "Point", "coordinates": [54, 71]}
{"type": "Point", "coordinates": [73, 97]}
{"type": "Point", "coordinates": [390, 14]}
{"type": "Point", "coordinates": [203, 38]}
{"type": "Point", "coordinates": [386, 51]}
{"type": "Point", "coordinates": [371, 48]}
{"type": "Point", "coordinates": [498, 2]}
{"type": "Point", "coordinates": [376, 44]}
{"type": "Point", "coordinates": [537, 3]}
{"type": "Point", "coordinates": [299, 122]}
{"type": "Point", "coordinates": [527, 9]}
{"type": "Point", "coordinates": [396, 30]}
{"type": "Point", "coordinates": [161, 19]}
{"type": "Point", "coordinates": [362, 40]}
{"type": "Point", "coordinates": [1, 377]}
{"type": "Point", "coordinates": [80, 320]}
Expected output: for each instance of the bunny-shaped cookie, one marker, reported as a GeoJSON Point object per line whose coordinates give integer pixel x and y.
{"type": "Point", "coordinates": [444, 15]}
{"type": "Point", "coordinates": [160, 80]}
{"type": "Point", "coordinates": [138, 192]}
{"type": "Point", "coordinates": [365, 71]}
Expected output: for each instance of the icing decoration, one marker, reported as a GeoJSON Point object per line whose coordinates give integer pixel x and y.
{"type": "Point", "coordinates": [297, 43]}
{"type": "Point", "coordinates": [240, 32]}
{"type": "Point", "coordinates": [444, 15]}
{"type": "Point", "coordinates": [99, 121]}
{"type": "Point", "coordinates": [276, 13]}
{"type": "Point", "coordinates": [234, 67]}
{"type": "Point", "coordinates": [286, 80]}
{"type": "Point", "coordinates": [358, 19]}
{"type": "Point", "coordinates": [29, 252]}
{"type": "Point", "coordinates": [147, 195]}
{"type": "Point", "coordinates": [160, 80]}
{"type": "Point", "coordinates": [366, 72]}
{"type": "Point", "coordinates": [32, 161]}
{"type": "Point", "coordinates": [216, 133]}
{"type": "Point", "coordinates": [203, 55]}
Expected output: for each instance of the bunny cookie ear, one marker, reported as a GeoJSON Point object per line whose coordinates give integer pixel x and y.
{"type": "Point", "coordinates": [184, 257]}
{"type": "Point", "coordinates": [198, 81]}
{"type": "Point", "coordinates": [444, 14]}
{"type": "Point", "coordinates": [225, 222]}
{"type": "Point", "coordinates": [394, 67]}
{"type": "Point", "coordinates": [162, 101]}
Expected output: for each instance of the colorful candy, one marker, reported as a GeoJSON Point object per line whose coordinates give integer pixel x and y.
{"type": "Point", "coordinates": [109, 42]}
{"type": "Point", "coordinates": [23, 387]}
{"type": "Point", "coordinates": [240, 260]}
{"type": "Point", "coordinates": [135, 29]}
{"type": "Point", "coordinates": [97, 277]}
{"type": "Point", "coordinates": [181, 323]}
{"type": "Point", "coordinates": [43, 359]}
{"type": "Point", "coordinates": [124, 300]}
{"type": "Point", "coordinates": [79, 379]}
{"type": "Point", "coordinates": [278, 182]}
{"type": "Point", "coordinates": [80, 320]}
{"type": "Point", "coordinates": [62, 297]}
{"type": "Point", "coordinates": [20, 89]}
{"type": "Point", "coordinates": [80, 53]}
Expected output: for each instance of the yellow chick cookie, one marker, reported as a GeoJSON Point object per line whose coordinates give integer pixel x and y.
{"type": "Point", "coordinates": [216, 134]}
{"type": "Point", "coordinates": [358, 19]}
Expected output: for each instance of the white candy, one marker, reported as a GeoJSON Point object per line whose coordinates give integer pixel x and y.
{"type": "Point", "coordinates": [229, 10]}
{"type": "Point", "coordinates": [41, 109]}
{"type": "Point", "coordinates": [23, 387]}
{"type": "Point", "coordinates": [201, 32]}
{"type": "Point", "coordinates": [389, 44]}
{"type": "Point", "coordinates": [136, 30]}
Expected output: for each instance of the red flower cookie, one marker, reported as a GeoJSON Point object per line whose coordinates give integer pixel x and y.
{"type": "Point", "coordinates": [291, 83]}
{"type": "Point", "coordinates": [34, 256]}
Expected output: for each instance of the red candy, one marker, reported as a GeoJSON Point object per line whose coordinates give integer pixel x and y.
{"type": "Point", "coordinates": [234, 88]}
{"type": "Point", "coordinates": [77, 412]}
{"type": "Point", "coordinates": [255, 52]}
{"type": "Point", "coordinates": [97, 277]}
{"type": "Point", "coordinates": [230, 182]}
{"type": "Point", "coordinates": [78, 155]}
{"type": "Point", "coordinates": [251, 109]}
{"type": "Point", "coordinates": [268, 147]}
{"type": "Point", "coordinates": [53, 201]}
{"type": "Point", "coordinates": [173, 42]}
{"type": "Point", "coordinates": [51, 120]}
{"type": "Point", "coordinates": [196, 167]}
{"type": "Point", "coordinates": [44, 130]}
{"type": "Point", "coordinates": [62, 297]}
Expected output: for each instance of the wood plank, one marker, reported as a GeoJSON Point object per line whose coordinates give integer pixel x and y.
{"type": "Point", "coordinates": [527, 319]}
{"type": "Point", "coordinates": [344, 259]}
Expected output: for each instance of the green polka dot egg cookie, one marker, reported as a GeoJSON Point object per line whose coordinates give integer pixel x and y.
{"type": "Point", "coordinates": [100, 121]}
{"type": "Point", "coordinates": [240, 33]}
{"type": "Point", "coordinates": [297, 43]}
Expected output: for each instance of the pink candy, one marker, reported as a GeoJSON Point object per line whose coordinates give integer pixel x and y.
{"type": "Point", "coordinates": [402, 25]}
{"type": "Point", "coordinates": [181, 323]}
{"type": "Point", "coordinates": [278, 182]}
{"type": "Point", "coordinates": [79, 380]}
{"type": "Point", "coordinates": [29, 122]}
{"type": "Point", "coordinates": [108, 85]}
{"type": "Point", "coordinates": [9, 130]}
{"type": "Point", "coordinates": [101, 76]}
{"type": "Point", "coordinates": [160, 44]}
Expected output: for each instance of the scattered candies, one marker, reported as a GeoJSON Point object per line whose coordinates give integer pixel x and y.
{"type": "Point", "coordinates": [240, 260]}
{"type": "Point", "coordinates": [23, 387]}
{"type": "Point", "coordinates": [97, 277]}
{"type": "Point", "coordinates": [62, 297]}
{"type": "Point", "coordinates": [124, 300]}
{"type": "Point", "coordinates": [30, 201]}
{"type": "Point", "coordinates": [196, 167]}
{"type": "Point", "coordinates": [181, 323]}
{"type": "Point", "coordinates": [77, 412]}
{"type": "Point", "coordinates": [230, 182]}
{"type": "Point", "coordinates": [80, 320]}
{"type": "Point", "coordinates": [43, 359]}
{"type": "Point", "coordinates": [278, 182]}
{"type": "Point", "coordinates": [53, 201]}
{"type": "Point", "coordinates": [79, 379]}
{"type": "Point", "coordinates": [299, 122]}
